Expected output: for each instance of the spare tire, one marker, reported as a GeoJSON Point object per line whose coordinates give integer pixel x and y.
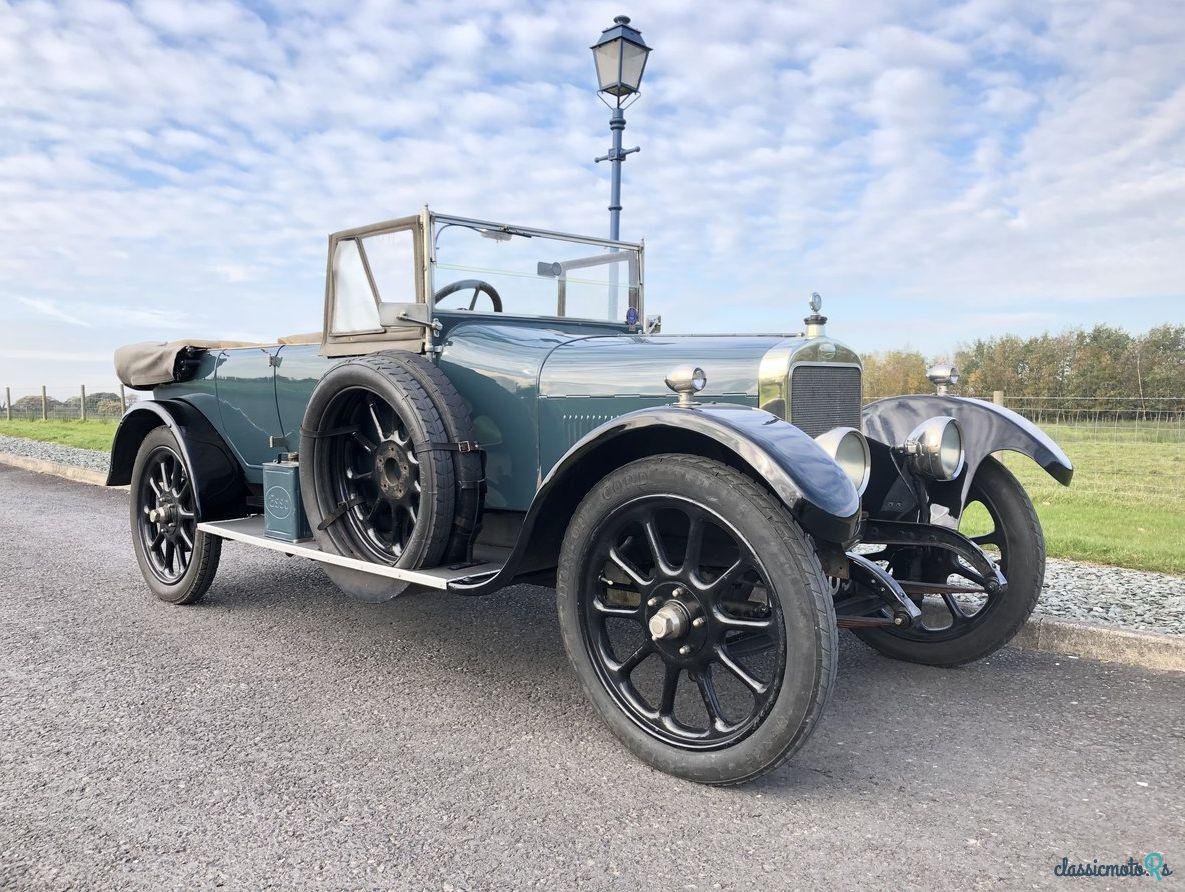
{"type": "Point", "coordinates": [468, 471]}
{"type": "Point", "coordinates": [375, 483]}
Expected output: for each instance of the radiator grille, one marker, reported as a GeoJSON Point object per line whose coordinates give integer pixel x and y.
{"type": "Point", "coordinates": [823, 397]}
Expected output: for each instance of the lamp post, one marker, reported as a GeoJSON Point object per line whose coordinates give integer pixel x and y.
{"type": "Point", "coordinates": [620, 57]}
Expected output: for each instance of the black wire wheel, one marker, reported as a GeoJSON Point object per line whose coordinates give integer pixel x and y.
{"type": "Point", "coordinates": [697, 617]}
{"type": "Point", "coordinates": [376, 472]}
{"type": "Point", "coordinates": [969, 622]}
{"type": "Point", "coordinates": [178, 561]}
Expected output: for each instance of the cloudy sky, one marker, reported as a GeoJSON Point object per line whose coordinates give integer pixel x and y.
{"type": "Point", "coordinates": [938, 171]}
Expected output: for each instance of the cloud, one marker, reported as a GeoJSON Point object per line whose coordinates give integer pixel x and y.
{"type": "Point", "coordinates": [166, 167]}
{"type": "Point", "coordinates": [46, 308]}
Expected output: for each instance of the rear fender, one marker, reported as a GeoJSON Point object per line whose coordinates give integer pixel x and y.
{"type": "Point", "coordinates": [801, 474]}
{"type": "Point", "coordinates": [220, 491]}
{"type": "Point", "coordinates": [987, 428]}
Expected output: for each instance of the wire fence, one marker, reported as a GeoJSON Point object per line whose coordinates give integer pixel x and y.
{"type": "Point", "coordinates": [102, 401]}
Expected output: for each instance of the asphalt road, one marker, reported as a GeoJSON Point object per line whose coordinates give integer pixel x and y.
{"type": "Point", "coordinates": [282, 735]}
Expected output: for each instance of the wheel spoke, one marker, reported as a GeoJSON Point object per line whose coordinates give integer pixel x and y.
{"type": "Point", "coordinates": [967, 573]}
{"type": "Point", "coordinates": [627, 567]}
{"type": "Point", "coordinates": [658, 551]}
{"type": "Point", "coordinates": [361, 439]}
{"type": "Point", "coordinates": [707, 692]}
{"type": "Point", "coordinates": [670, 687]}
{"type": "Point", "coordinates": [737, 622]}
{"type": "Point", "coordinates": [612, 610]}
{"type": "Point", "coordinates": [375, 418]}
{"type": "Point", "coordinates": [185, 535]}
{"type": "Point", "coordinates": [991, 538]}
{"type": "Point", "coordinates": [743, 675]}
{"type": "Point", "coordinates": [721, 583]}
{"type": "Point", "coordinates": [695, 544]}
{"type": "Point", "coordinates": [170, 553]}
{"type": "Point", "coordinates": [957, 614]}
{"type": "Point", "coordinates": [156, 490]}
{"type": "Point", "coordinates": [630, 663]}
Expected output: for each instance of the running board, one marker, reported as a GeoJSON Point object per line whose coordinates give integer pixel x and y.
{"type": "Point", "coordinates": [250, 531]}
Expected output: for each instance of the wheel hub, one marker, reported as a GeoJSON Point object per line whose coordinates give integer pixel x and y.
{"type": "Point", "coordinates": [392, 470]}
{"type": "Point", "coordinates": [164, 514]}
{"type": "Point", "coordinates": [670, 621]}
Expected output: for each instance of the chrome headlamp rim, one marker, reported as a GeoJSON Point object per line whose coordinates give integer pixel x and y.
{"type": "Point", "coordinates": [849, 449]}
{"type": "Point", "coordinates": [935, 448]}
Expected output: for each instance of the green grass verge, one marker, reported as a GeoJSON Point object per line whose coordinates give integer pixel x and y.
{"type": "Point", "coordinates": [1126, 506]}
{"type": "Point", "coordinates": [83, 434]}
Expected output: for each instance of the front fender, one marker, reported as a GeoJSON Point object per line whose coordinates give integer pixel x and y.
{"type": "Point", "coordinates": [219, 489]}
{"type": "Point", "coordinates": [810, 484]}
{"type": "Point", "coordinates": [814, 489]}
{"type": "Point", "coordinates": [987, 428]}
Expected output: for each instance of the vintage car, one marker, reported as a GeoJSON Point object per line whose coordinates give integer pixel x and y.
{"type": "Point", "coordinates": [489, 403]}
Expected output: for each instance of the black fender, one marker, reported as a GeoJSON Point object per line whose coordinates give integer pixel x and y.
{"type": "Point", "coordinates": [814, 489]}
{"type": "Point", "coordinates": [219, 488]}
{"type": "Point", "coordinates": [987, 428]}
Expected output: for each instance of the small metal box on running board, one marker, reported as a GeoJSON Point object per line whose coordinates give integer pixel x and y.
{"type": "Point", "coordinates": [283, 511]}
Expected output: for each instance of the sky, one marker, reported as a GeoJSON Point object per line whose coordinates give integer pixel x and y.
{"type": "Point", "coordinates": [937, 171]}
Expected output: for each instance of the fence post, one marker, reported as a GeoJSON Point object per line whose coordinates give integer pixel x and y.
{"type": "Point", "coordinates": [82, 405]}
{"type": "Point", "coordinates": [44, 405]}
{"type": "Point", "coordinates": [8, 403]}
{"type": "Point", "coordinates": [123, 400]}
{"type": "Point", "coordinates": [998, 397]}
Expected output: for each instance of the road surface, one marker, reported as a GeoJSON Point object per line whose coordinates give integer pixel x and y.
{"type": "Point", "coordinates": [281, 735]}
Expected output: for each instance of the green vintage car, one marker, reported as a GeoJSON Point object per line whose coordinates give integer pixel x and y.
{"type": "Point", "coordinates": [488, 404]}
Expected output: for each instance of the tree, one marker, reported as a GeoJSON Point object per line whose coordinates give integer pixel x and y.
{"type": "Point", "coordinates": [895, 371]}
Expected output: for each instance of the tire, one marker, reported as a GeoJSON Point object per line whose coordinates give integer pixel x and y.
{"type": "Point", "coordinates": [162, 481]}
{"type": "Point", "coordinates": [374, 482]}
{"type": "Point", "coordinates": [1022, 560]}
{"type": "Point", "coordinates": [793, 614]}
{"type": "Point", "coordinates": [467, 466]}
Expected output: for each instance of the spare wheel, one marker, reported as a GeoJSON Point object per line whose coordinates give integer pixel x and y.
{"type": "Point", "coordinates": [468, 468]}
{"type": "Point", "coordinates": [375, 481]}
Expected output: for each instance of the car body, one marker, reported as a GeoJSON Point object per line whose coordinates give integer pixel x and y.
{"type": "Point", "coordinates": [560, 403]}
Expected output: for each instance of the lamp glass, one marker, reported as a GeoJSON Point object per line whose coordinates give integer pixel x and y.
{"type": "Point", "coordinates": [633, 61]}
{"type": "Point", "coordinates": [608, 58]}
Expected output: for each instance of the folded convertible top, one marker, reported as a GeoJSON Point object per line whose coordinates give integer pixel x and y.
{"type": "Point", "coordinates": [152, 363]}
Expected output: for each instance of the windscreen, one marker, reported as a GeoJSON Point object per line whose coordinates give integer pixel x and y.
{"type": "Point", "coordinates": [532, 275]}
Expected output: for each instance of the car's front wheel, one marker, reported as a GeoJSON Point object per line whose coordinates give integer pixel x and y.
{"type": "Point", "coordinates": [960, 627]}
{"type": "Point", "coordinates": [697, 618]}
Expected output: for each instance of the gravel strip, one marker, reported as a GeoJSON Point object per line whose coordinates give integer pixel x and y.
{"type": "Point", "coordinates": [1130, 599]}
{"type": "Point", "coordinates": [67, 455]}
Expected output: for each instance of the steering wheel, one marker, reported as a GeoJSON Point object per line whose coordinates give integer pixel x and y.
{"type": "Point", "coordinates": [478, 286]}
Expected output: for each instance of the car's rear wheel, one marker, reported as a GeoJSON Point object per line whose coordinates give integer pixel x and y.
{"type": "Point", "coordinates": [178, 561]}
{"type": "Point", "coordinates": [959, 627]}
{"type": "Point", "coordinates": [376, 478]}
{"type": "Point", "coordinates": [697, 618]}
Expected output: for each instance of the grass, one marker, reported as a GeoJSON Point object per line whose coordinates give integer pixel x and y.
{"type": "Point", "coordinates": [83, 434]}
{"type": "Point", "coordinates": [1126, 506]}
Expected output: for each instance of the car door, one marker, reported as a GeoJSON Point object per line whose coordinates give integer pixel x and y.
{"type": "Point", "coordinates": [247, 404]}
